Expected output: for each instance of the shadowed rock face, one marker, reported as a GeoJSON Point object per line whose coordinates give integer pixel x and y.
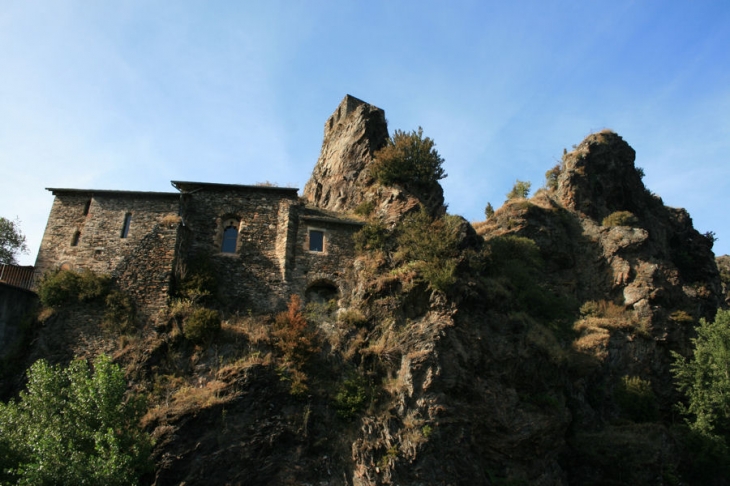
{"type": "Point", "coordinates": [599, 178]}
{"type": "Point", "coordinates": [354, 132]}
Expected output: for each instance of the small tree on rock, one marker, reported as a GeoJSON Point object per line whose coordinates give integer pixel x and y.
{"type": "Point", "coordinates": [520, 190]}
{"type": "Point", "coordinates": [410, 159]}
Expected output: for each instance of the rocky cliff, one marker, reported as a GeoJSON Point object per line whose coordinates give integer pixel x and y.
{"type": "Point", "coordinates": [532, 350]}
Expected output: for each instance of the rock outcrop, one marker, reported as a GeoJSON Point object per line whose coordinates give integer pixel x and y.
{"type": "Point", "coordinates": [341, 180]}
{"type": "Point", "coordinates": [352, 135]}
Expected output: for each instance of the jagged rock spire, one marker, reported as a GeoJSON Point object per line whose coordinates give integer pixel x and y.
{"type": "Point", "coordinates": [599, 177]}
{"type": "Point", "coordinates": [354, 132]}
{"type": "Point", "coordinates": [341, 180]}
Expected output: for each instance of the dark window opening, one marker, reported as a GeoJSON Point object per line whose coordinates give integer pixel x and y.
{"type": "Point", "coordinates": [86, 207]}
{"type": "Point", "coordinates": [75, 239]}
{"type": "Point", "coordinates": [230, 237]}
{"type": "Point", "coordinates": [125, 227]}
{"type": "Point", "coordinates": [316, 240]}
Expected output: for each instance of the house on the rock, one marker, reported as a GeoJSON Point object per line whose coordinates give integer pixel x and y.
{"type": "Point", "coordinates": [261, 243]}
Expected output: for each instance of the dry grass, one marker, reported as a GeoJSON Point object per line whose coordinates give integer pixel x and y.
{"type": "Point", "coordinates": [170, 220]}
{"type": "Point", "coordinates": [593, 343]}
{"type": "Point", "coordinates": [257, 330]}
{"type": "Point", "coordinates": [187, 399]}
{"type": "Point", "coordinates": [387, 344]}
{"type": "Point", "coordinates": [610, 316]}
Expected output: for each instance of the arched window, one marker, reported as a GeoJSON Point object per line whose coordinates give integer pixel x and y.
{"type": "Point", "coordinates": [75, 239]}
{"type": "Point", "coordinates": [230, 238]}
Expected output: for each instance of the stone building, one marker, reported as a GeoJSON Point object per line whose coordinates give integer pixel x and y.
{"type": "Point", "coordinates": [261, 243]}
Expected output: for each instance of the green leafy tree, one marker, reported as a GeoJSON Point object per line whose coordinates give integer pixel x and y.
{"type": "Point", "coordinates": [521, 189]}
{"type": "Point", "coordinates": [73, 426]}
{"type": "Point", "coordinates": [489, 210]}
{"type": "Point", "coordinates": [551, 178]}
{"type": "Point", "coordinates": [410, 159]}
{"type": "Point", "coordinates": [12, 241]}
{"type": "Point", "coordinates": [705, 376]}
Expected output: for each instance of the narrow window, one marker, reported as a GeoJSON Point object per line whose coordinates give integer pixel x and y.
{"type": "Point", "coordinates": [125, 228]}
{"type": "Point", "coordinates": [75, 239]}
{"type": "Point", "coordinates": [230, 236]}
{"type": "Point", "coordinates": [86, 207]}
{"type": "Point", "coordinates": [316, 240]}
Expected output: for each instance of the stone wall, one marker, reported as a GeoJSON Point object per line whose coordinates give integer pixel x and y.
{"type": "Point", "coordinates": [85, 231]}
{"type": "Point", "coordinates": [15, 303]}
{"type": "Point", "coordinates": [146, 274]}
{"type": "Point", "coordinates": [271, 259]}
{"type": "Point", "coordinates": [329, 266]}
{"type": "Point", "coordinates": [254, 276]}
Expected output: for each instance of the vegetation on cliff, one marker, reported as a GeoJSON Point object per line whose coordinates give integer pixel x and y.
{"type": "Point", "coordinates": [409, 159]}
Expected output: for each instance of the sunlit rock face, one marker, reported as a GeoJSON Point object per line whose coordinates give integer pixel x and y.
{"type": "Point", "coordinates": [352, 135]}
{"type": "Point", "coordinates": [341, 180]}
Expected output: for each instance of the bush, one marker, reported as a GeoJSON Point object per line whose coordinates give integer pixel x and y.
{"type": "Point", "coordinates": [365, 208]}
{"type": "Point", "coordinates": [61, 287]}
{"type": "Point", "coordinates": [407, 159]}
{"type": "Point", "coordinates": [351, 318]}
{"type": "Point", "coordinates": [372, 236]}
{"type": "Point", "coordinates": [705, 377]}
{"type": "Point", "coordinates": [636, 399]}
{"type": "Point", "coordinates": [293, 336]}
{"type": "Point", "coordinates": [119, 315]}
{"type": "Point", "coordinates": [431, 246]}
{"type": "Point", "coordinates": [201, 325]}
{"type": "Point", "coordinates": [351, 396]}
{"type": "Point", "coordinates": [488, 210]}
{"type": "Point", "coordinates": [520, 190]}
{"type": "Point", "coordinates": [620, 218]}
{"type": "Point", "coordinates": [73, 426]}
{"type": "Point", "coordinates": [198, 282]}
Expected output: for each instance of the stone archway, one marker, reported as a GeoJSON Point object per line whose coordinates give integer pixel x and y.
{"type": "Point", "coordinates": [321, 292]}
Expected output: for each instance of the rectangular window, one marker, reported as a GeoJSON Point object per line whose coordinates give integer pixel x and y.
{"type": "Point", "coordinates": [125, 228]}
{"type": "Point", "coordinates": [316, 240]}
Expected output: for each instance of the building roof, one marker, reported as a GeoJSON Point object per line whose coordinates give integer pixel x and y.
{"type": "Point", "coordinates": [189, 186]}
{"type": "Point", "coordinates": [110, 192]}
{"type": "Point", "coordinates": [323, 216]}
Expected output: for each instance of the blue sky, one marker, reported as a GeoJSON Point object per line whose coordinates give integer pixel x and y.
{"type": "Point", "coordinates": [133, 94]}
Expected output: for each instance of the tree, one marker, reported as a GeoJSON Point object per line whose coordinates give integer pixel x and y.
{"type": "Point", "coordinates": [73, 426]}
{"type": "Point", "coordinates": [521, 189]}
{"type": "Point", "coordinates": [705, 376]}
{"type": "Point", "coordinates": [12, 241]}
{"type": "Point", "coordinates": [551, 178]}
{"type": "Point", "coordinates": [408, 158]}
{"type": "Point", "coordinates": [489, 210]}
